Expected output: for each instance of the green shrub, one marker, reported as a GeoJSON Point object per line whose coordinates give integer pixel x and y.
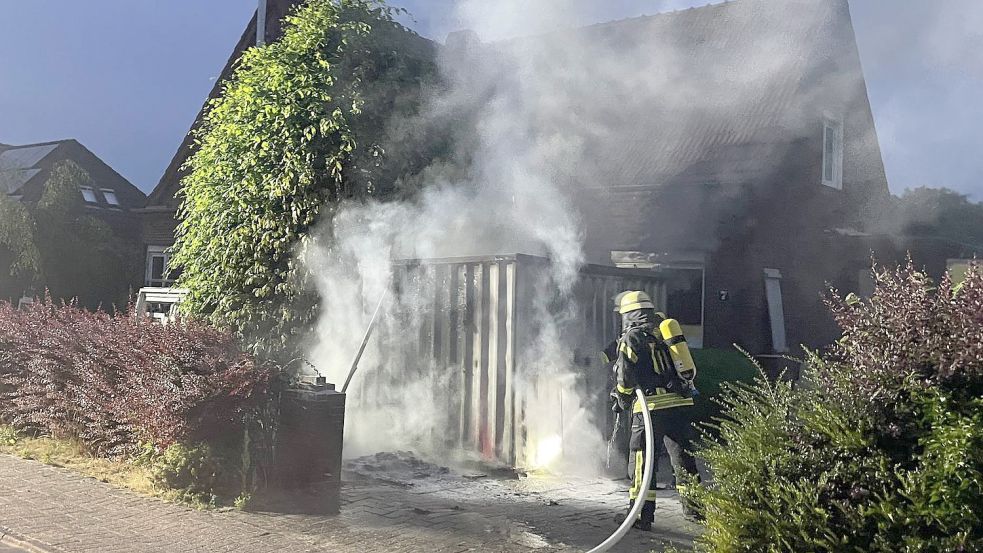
{"type": "Point", "coordinates": [881, 449]}
{"type": "Point", "coordinates": [200, 472]}
{"type": "Point", "coordinates": [301, 126]}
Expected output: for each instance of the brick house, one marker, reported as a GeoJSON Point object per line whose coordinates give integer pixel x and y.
{"type": "Point", "coordinates": [752, 214]}
{"type": "Point", "coordinates": [743, 176]}
{"type": "Point", "coordinates": [24, 170]}
{"type": "Point", "coordinates": [747, 213]}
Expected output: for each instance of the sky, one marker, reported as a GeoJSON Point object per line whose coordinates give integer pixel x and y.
{"type": "Point", "coordinates": [127, 77]}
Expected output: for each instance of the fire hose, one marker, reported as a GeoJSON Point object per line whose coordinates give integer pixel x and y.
{"type": "Point", "coordinates": [642, 486]}
{"type": "Point", "coordinates": [365, 341]}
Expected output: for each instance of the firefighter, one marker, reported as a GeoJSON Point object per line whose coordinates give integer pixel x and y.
{"type": "Point", "coordinates": [645, 361]}
{"type": "Point", "coordinates": [620, 436]}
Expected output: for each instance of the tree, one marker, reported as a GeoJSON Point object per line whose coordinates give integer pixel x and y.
{"type": "Point", "coordinates": [82, 258]}
{"type": "Point", "coordinates": [302, 124]}
{"type": "Point", "coordinates": [19, 257]}
{"type": "Point", "coordinates": [940, 213]}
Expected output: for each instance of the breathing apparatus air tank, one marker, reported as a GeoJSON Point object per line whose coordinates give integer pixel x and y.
{"type": "Point", "coordinates": [682, 359]}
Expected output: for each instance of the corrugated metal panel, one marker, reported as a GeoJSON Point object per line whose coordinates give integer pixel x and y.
{"type": "Point", "coordinates": [474, 326]}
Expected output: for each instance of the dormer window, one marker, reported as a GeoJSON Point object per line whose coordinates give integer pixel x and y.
{"type": "Point", "coordinates": [833, 152]}
{"type": "Point", "coordinates": [110, 196]}
{"type": "Point", "coordinates": [89, 195]}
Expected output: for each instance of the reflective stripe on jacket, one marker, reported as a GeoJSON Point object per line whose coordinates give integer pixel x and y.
{"type": "Point", "coordinates": [662, 400]}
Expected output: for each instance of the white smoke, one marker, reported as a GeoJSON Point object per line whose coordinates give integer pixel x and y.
{"type": "Point", "coordinates": [511, 204]}
{"type": "Point", "coordinates": [551, 111]}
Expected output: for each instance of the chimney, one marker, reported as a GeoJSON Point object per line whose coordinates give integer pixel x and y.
{"type": "Point", "coordinates": [261, 23]}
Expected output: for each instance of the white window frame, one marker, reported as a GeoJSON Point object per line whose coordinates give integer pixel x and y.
{"type": "Point", "coordinates": [153, 253]}
{"type": "Point", "coordinates": [110, 195]}
{"type": "Point", "coordinates": [89, 194]}
{"type": "Point", "coordinates": [834, 124]}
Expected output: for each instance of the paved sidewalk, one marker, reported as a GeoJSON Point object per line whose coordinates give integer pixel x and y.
{"type": "Point", "coordinates": [70, 513]}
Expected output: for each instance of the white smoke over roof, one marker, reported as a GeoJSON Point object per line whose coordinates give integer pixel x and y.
{"type": "Point", "coordinates": [547, 125]}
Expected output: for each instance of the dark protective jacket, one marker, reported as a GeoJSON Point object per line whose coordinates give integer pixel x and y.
{"type": "Point", "coordinates": [644, 361]}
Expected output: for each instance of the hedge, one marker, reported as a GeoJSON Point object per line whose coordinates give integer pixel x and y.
{"type": "Point", "coordinates": [117, 382]}
{"type": "Point", "coordinates": [879, 449]}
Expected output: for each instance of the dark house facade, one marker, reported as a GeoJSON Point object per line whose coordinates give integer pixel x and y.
{"type": "Point", "coordinates": [732, 149]}
{"type": "Point", "coordinates": [749, 212]}
{"type": "Point", "coordinates": [748, 201]}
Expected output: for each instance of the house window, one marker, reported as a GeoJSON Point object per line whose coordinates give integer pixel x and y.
{"type": "Point", "coordinates": [110, 196]}
{"type": "Point", "coordinates": [832, 152]}
{"type": "Point", "coordinates": [682, 293]}
{"type": "Point", "coordinates": [89, 195]}
{"type": "Point", "coordinates": [158, 274]}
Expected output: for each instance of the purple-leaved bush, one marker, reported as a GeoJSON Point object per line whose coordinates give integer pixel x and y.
{"type": "Point", "coordinates": [880, 449]}
{"type": "Point", "coordinates": [114, 381]}
{"type": "Point", "coordinates": [912, 332]}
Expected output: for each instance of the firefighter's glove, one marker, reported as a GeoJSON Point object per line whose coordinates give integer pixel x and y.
{"type": "Point", "coordinates": [620, 402]}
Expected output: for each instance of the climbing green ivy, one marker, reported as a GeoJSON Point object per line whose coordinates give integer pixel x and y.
{"type": "Point", "coordinates": [302, 125]}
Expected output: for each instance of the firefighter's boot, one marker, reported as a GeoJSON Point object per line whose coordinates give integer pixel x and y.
{"type": "Point", "coordinates": [644, 523]}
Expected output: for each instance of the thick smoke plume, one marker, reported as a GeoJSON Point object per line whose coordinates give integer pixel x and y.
{"type": "Point", "coordinates": [553, 114]}
{"type": "Point", "coordinates": [510, 203]}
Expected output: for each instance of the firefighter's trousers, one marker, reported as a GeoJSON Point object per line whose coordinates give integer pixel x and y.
{"type": "Point", "coordinates": [675, 426]}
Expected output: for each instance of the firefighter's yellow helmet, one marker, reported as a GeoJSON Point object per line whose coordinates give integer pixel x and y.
{"type": "Point", "coordinates": [633, 301]}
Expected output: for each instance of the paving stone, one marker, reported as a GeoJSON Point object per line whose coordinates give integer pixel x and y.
{"type": "Point", "coordinates": [55, 506]}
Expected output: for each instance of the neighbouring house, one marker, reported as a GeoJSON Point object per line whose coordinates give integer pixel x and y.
{"type": "Point", "coordinates": [25, 169]}
{"type": "Point", "coordinates": [106, 196]}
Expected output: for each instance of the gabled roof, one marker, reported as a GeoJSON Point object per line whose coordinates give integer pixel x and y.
{"type": "Point", "coordinates": [696, 92]}
{"type": "Point", "coordinates": [721, 93]}
{"type": "Point", "coordinates": [24, 170]}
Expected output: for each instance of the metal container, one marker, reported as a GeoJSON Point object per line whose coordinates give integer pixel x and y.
{"type": "Point", "coordinates": [478, 319]}
{"type": "Point", "coordinates": [308, 447]}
